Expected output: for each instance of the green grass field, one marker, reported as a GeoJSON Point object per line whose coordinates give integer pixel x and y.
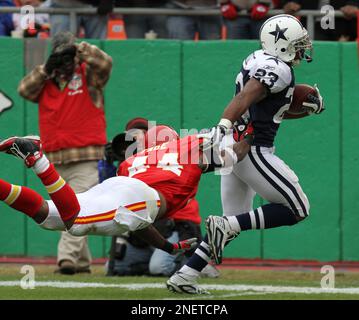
{"type": "Point", "coordinates": [232, 284]}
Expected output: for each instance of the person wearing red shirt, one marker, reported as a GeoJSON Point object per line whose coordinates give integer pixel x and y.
{"type": "Point", "coordinates": [69, 90]}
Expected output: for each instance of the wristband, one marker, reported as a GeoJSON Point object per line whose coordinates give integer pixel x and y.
{"type": "Point", "coordinates": [168, 247]}
{"type": "Point", "coordinates": [225, 123]}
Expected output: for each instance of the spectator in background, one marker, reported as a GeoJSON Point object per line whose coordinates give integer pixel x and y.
{"type": "Point", "coordinates": [95, 26]}
{"type": "Point", "coordinates": [6, 23]}
{"type": "Point", "coordinates": [244, 27]}
{"type": "Point", "coordinates": [42, 20]}
{"type": "Point", "coordinates": [137, 26]}
{"type": "Point", "coordinates": [345, 28]}
{"type": "Point", "coordinates": [69, 91]}
{"type": "Point", "coordinates": [186, 27]}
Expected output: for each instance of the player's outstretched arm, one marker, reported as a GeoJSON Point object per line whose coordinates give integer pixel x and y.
{"type": "Point", "coordinates": [155, 239]}
{"type": "Point", "coordinates": [213, 158]}
{"type": "Point", "coordinates": [253, 92]}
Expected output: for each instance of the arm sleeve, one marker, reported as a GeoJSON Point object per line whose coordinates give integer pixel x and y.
{"type": "Point", "coordinates": [31, 86]}
{"type": "Point", "coordinates": [99, 64]}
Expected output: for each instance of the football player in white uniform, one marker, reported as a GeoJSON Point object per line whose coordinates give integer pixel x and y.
{"type": "Point", "coordinates": [264, 89]}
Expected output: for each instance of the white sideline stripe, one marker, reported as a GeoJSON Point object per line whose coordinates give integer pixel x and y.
{"type": "Point", "coordinates": [221, 287]}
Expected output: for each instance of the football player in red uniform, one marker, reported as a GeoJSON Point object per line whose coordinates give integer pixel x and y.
{"type": "Point", "coordinates": [174, 166]}
{"type": "Point", "coordinates": [160, 180]}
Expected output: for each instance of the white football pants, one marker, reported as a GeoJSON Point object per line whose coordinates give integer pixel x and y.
{"type": "Point", "coordinates": [113, 207]}
{"type": "Point", "coordinates": [262, 172]}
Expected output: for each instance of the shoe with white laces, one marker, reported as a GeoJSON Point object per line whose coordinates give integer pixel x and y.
{"type": "Point", "coordinates": [219, 233]}
{"type": "Point", "coordinates": [184, 283]}
{"type": "Point", "coordinates": [27, 148]}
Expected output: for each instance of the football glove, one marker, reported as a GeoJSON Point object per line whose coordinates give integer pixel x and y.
{"type": "Point", "coordinates": [52, 63]}
{"type": "Point", "coordinates": [213, 137]}
{"type": "Point", "coordinates": [229, 10]}
{"type": "Point", "coordinates": [184, 245]}
{"type": "Point", "coordinates": [315, 104]}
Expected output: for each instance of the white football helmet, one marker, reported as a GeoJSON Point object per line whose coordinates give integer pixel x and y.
{"type": "Point", "coordinates": [283, 36]}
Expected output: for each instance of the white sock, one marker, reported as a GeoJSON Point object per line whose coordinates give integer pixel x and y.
{"type": "Point", "coordinates": [233, 222]}
{"type": "Point", "coordinates": [41, 165]}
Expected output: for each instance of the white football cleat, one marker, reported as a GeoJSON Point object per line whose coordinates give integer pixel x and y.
{"type": "Point", "coordinates": [184, 283]}
{"type": "Point", "coordinates": [219, 232]}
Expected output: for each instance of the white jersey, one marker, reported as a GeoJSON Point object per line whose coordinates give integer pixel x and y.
{"type": "Point", "coordinates": [278, 77]}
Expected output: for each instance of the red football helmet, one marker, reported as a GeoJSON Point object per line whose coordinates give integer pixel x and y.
{"type": "Point", "coordinates": [158, 135]}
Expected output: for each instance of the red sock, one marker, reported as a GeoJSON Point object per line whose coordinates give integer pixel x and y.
{"type": "Point", "coordinates": [61, 193]}
{"type": "Point", "coordinates": [21, 198]}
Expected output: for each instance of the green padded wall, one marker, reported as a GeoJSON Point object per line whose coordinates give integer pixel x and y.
{"type": "Point", "coordinates": [350, 152]}
{"type": "Point", "coordinates": [145, 82]}
{"type": "Point", "coordinates": [187, 85]}
{"type": "Point", "coordinates": [12, 223]}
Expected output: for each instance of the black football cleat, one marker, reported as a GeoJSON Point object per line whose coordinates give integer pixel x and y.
{"type": "Point", "coordinates": [27, 148]}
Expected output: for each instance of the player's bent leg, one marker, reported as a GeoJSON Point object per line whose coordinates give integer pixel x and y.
{"type": "Point", "coordinates": [24, 199]}
{"type": "Point", "coordinates": [60, 193]}
{"type": "Point", "coordinates": [219, 232]}
{"type": "Point", "coordinates": [117, 205]}
{"type": "Point", "coordinates": [185, 279]}
{"type": "Point", "coordinates": [27, 148]}
{"type": "Point", "coordinates": [236, 195]}
{"type": "Point", "coordinates": [275, 181]}
{"type": "Point", "coordinates": [30, 151]}
{"type": "Point", "coordinates": [53, 220]}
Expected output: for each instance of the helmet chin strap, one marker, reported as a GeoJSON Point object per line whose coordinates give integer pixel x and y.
{"type": "Point", "coordinates": [304, 56]}
{"type": "Point", "coordinates": [308, 58]}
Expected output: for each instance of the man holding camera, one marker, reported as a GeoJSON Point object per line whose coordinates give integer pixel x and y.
{"type": "Point", "coordinates": [69, 91]}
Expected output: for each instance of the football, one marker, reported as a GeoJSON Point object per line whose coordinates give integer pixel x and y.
{"type": "Point", "coordinates": [300, 95]}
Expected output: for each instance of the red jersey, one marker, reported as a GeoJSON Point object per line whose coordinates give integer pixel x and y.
{"type": "Point", "coordinates": [170, 168]}
{"type": "Point", "coordinates": [69, 118]}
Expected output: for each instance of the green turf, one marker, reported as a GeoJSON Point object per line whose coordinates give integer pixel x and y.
{"type": "Point", "coordinates": [228, 277]}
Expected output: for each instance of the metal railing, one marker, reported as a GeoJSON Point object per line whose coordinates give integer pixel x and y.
{"type": "Point", "coordinates": [311, 15]}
